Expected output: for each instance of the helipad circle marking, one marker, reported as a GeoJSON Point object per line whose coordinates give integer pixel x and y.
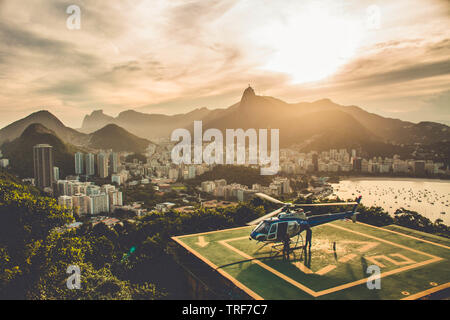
{"type": "Point", "coordinates": [434, 284]}
{"type": "Point", "coordinates": [405, 293]}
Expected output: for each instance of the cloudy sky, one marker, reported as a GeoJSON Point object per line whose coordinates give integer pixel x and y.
{"type": "Point", "coordinates": [172, 56]}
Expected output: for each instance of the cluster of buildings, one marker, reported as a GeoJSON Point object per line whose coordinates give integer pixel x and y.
{"type": "Point", "coordinates": [293, 162]}
{"type": "Point", "coordinates": [83, 197]}
{"type": "Point", "coordinates": [210, 204]}
{"type": "Point", "coordinates": [103, 164]}
{"type": "Point", "coordinates": [107, 163]}
{"type": "Point", "coordinates": [175, 172]}
{"type": "Point", "coordinates": [220, 189]}
{"type": "Point", "coordinates": [154, 170]}
{"type": "Point", "coordinates": [87, 198]}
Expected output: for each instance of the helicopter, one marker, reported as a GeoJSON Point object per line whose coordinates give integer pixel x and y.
{"type": "Point", "coordinates": [291, 221]}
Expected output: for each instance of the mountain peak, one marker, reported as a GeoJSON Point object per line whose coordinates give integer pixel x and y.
{"type": "Point", "coordinates": [248, 94]}
{"type": "Point", "coordinates": [117, 138]}
{"type": "Point", "coordinates": [97, 112]}
{"type": "Point", "coordinates": [97, 119]}
{"type": "Point", "coordinates": [45, 118]}
{"type": "Point", "coordinates": [109, 127]}
{"type": "Point", "coordinates": [43, 114]}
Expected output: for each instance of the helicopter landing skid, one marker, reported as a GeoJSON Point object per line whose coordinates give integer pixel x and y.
{"type": "Point", "coordinates": [278, 248]}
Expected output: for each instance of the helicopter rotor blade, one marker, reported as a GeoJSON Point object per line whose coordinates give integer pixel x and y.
{"type": "Point", "coordinates": [267, 216]}
{"type": "Point", "coordinates": [268, 198]}
{"type": "Point", "coordinates": [326, 204]}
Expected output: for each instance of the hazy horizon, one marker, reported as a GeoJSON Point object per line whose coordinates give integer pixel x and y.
{"type": "Point", "coordinates": [174, 57]}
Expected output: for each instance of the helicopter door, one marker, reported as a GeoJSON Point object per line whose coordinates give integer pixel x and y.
{"type": "Point", "coordinates": [282, 230]}
{"type": "Point", "coordinates": [273, 232]}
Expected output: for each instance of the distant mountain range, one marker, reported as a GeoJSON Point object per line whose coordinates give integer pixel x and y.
{"type": "Point", "coordinates": [319, 125]}
{"type": "Point", "coordinates": [110, 136]}
{"type": "Point", "coordinates": [149, 126]}
{"type": "Point", "coordinates": [17, 141]}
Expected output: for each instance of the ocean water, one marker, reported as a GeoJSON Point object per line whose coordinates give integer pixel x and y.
{"type": "Point", "coordinates": [426, 196]}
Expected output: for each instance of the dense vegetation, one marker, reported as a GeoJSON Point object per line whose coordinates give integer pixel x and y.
{"type": "Point", "coordinates": [137, 156]}
{"type": "Point", "coordinates": [34, 254]}
{"type": "Point", "coordinates": [146, 194]}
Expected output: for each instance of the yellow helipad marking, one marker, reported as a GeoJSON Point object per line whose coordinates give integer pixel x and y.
{"type": "Point", "coordinates": [365, 246]}
{"type": "Point", "coordinates": [201, 241]}
{"type": "Point", "coordinates": [306, 270]}
{"type": "Point", "coordinates": [326, 269]}
{"type": "Point", "coordinates": [347, 258]}
{"type": "Point", "coordinates": [405, 235]}
{"type": "Point", "coordinates": [383, 274]}
{"type": "Point", "coordinates": [330, 290]}
{"type": "Point", "coordinates": [427, 292]}
{"type": "Point", "coordinates": [368, 246]}
{"type": "Point", "coordinates": [344, 286]}
{"type": "Point", "coordinates": [238, 284]}
{"type": "Point", "coordinates": [374, 260]}
{"type": "Point", "coordinates": [405, 260]}
{"type": "Point", "coordinates": [277, 273]}
{"type": "Point", "coordinates": [383, 240]}
{"type": "Point", "coordinates": [303, 268]}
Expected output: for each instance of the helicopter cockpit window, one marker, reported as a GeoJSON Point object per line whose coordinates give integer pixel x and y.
{"type": "Point", "coordinates": [263, 228]}
{"type": "Point", "coordinates": [273, 228]}
{"type": "Point", "coordinates": [292, 226]}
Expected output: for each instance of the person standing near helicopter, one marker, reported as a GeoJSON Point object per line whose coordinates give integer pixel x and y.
{"type": "Point", "coordinates": [286, 244]}
{"type": "Point", "coordinates": [308, 239]}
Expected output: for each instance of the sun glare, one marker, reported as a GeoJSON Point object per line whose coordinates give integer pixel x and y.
{"type": "Point", "coordinates": [309, 45]}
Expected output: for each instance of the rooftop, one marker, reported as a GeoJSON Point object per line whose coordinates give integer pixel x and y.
{"type": "Point", "coordinates": [412, 264]}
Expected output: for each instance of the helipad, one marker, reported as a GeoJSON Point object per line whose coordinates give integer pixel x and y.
{"type": "Point", "coordinates": [412, 264]}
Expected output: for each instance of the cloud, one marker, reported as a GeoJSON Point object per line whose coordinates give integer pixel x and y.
{"type": "Point", "coordinates": [173, 56]}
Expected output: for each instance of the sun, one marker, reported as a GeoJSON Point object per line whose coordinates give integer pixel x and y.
{"type": "Point", "coordinates": [309, 45]}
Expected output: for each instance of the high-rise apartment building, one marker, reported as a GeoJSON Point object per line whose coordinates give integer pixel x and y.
{"type": "Point", "coordinates": [55, 174]}
{"type": "Point", "coordinates": [79, 163]}
{"type": "Point", "coordinates": [43, 165]}
{"type": "Point", "coordinates": [113, 163]}
{"type": "Point", "coordinates": [90, 164]}
{"type": "Point", "coordinates": [102, 165]}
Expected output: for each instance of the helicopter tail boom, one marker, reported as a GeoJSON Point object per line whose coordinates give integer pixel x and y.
{"type": "Point", "coordinates": [358, 200]}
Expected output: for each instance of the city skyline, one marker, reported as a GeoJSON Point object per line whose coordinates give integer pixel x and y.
{"type": "Point", "coordinates": [396, 66]}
